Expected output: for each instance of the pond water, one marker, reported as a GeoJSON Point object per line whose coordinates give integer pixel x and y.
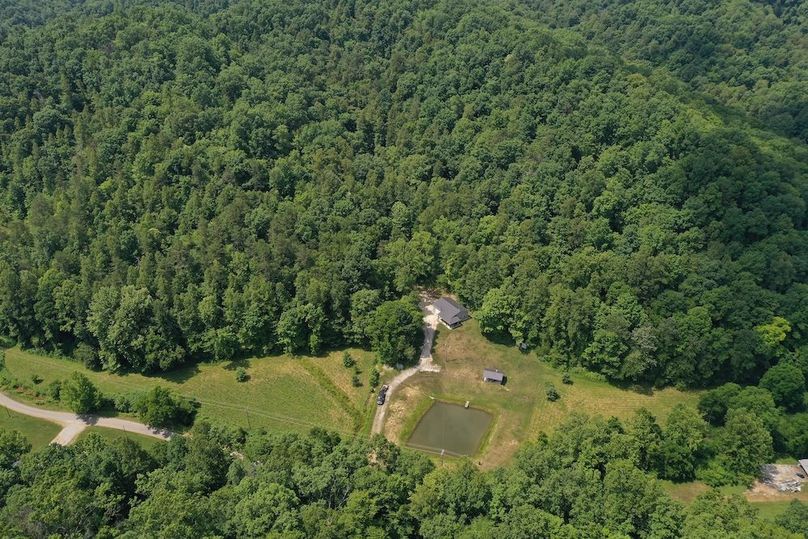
{"type": "Point", "coordinates": [450, 428]}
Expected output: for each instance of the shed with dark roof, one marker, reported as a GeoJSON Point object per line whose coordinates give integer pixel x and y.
{"type": "Point", "coordinates": [493, 375]}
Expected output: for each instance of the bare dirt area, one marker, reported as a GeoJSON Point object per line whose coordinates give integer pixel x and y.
{"type": "Point", "coordinates": [777, 482]}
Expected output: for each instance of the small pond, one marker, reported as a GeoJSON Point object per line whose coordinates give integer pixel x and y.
{"type": "Point", "coordinates": [450, 428]}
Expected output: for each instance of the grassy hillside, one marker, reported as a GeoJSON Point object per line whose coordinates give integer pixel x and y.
{"type": "Point", "coordinates": [520, 407]}
{"type": "Point", "coordinates": [282, 392]}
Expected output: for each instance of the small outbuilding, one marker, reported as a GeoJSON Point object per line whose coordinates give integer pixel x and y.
{"type": "Point", "coordinates": [493, 375]}
{"type": "Point", "coordinates": [450, 312]}
{"type": "Point", "coordinates": [804, 466]}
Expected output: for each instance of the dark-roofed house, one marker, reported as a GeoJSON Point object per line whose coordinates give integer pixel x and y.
{"type": "Point", "coordinates": [450, 312]}
{"type": "Point", "coordinates": [493, 375]}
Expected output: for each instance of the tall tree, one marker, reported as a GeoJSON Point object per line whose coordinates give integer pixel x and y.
{"type": "Point", "coordinates": [396, 331]}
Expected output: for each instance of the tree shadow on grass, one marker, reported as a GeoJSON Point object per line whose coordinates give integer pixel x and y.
{"type": "Point", "coordinates": [178, 376]}
{"type": "Point", "coordinates": [107, 409]}
{"type": "Point", "coordinates": [234, 364]}
{"type": "Point", "coordinates": [642, 389]}
{"type": "Point", "coordinates": [500, 338]}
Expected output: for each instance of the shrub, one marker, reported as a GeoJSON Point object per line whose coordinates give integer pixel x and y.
{"type": "Point", "coordinates": [241, 375]}
{"type": "Point", "coordinates": [566, 378]}
{"type": "Point", "coordinates": [552, 393]}
{"type": "Point", "coordinates": [355, 381]}
{"type": "Point", "coordinates": [374, 377]}
{"type": "Point", "coordinates": [123, 403]}
{"type": "Point", "coordinates": [88, 356]}
{"type": "Point", "coordinates": [715, 474]}
{"type": "Point", "coordinates": [162, 408]}
{"type": "Point", "coordinates": [795, 518]}
{"type": "Point", "coordinates": [36, 379]}
{"type": "Point", "coordinates": [54, 390]}
{"type": "Point", "coordinates": [80, 394]}
{"type": "Point", "coordinates": [347, 360]}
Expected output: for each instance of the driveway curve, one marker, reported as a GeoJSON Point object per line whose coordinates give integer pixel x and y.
{"type": "Point", "coordinates": [425, 362]}
{"type": "Point", "coordinates": [74, 424]}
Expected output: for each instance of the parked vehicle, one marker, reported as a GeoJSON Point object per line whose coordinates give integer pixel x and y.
{"type": "Point", "coordinates": [382, 395]}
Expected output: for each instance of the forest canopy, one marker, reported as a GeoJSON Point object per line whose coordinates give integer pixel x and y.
{"type": "Point", "coordinates": [587, 481]}
{"type": "Point", "coordinates": [184, 181]}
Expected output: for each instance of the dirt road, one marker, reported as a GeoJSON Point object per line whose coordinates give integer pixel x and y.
{"type": "Point", "coordinates": [74, 424]}
{"type": "Point", "coordinates": [425, 363]}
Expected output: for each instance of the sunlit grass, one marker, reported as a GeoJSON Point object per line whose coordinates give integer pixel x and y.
{"type": "Point", "coordinates": [282, 393]}
{"type": "Point", "coordinates": [38, 431]}
{"type": "Point", "coordinates": [520, 407]}
{"type": "Point", "coordinates": [146, 442]}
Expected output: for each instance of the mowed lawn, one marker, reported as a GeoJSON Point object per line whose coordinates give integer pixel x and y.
{"type": "Point", "coordinates": [521, 409]}
{"type": "Point", "coordinates": [38, 431]}
{"type": "Point", "coordinates": [146, 442]}
{"type": "Point", "coordinates": [282, 393]}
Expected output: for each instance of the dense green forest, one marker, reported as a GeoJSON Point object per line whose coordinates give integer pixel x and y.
{"type": "Point", "coordinates": [586, 481]}
{"type": "Point", "coordinates": [620, 186]}
{"type": "Point", "coordinates": [181, 181]}
{"type": "Point", "coordinates": [748, 56]}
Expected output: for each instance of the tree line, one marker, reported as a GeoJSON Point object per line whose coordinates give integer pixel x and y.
{"type": "Point", "coordinates": [588, 480]}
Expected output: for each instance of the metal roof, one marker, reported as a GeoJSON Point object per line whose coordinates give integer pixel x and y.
{"type": "Point", "coordinates": [493, 374]}
{"type": "Point", "coordinates": [450, 311]}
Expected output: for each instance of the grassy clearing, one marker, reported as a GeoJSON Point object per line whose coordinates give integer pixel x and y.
{"type": "Point", "coordinates": [146, 442]}
{"type": "Point", "coordinates": [687, 492]}
{"type": "Point", "coordinates": [282, 393]}
{"type": "Point", "coordinates": [769, 506]}
{"type": "Point", "coordinates": [684, 492]}
{"type": "Point", "coordinates": [520, 407]}
{"type": "Point", "coordinates": [38, 431]}
{"type": "Point", "coordinates": [772, 510]}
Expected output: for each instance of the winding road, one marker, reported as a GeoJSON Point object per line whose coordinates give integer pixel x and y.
{"type": "Point", "coordinates": [425, 363]}
{"type": "Point", "coordinates": [73, 424]}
